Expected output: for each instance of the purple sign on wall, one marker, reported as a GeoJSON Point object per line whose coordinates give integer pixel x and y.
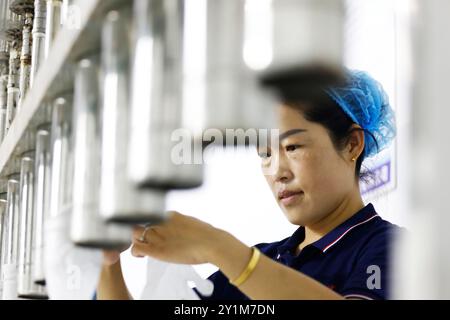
{"type": "Point", "coordinates": [379, 177]}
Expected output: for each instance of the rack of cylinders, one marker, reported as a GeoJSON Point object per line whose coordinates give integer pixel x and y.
{"type": "Point", "coordinates": [130, 113]}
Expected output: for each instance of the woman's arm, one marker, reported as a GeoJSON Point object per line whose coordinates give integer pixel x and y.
{"type": "Point", "coordinates": [187, 240]}
{"type": "Point", "coordinates": [112, 285]}
{"type": "Point", "coordinates": [270, 279]}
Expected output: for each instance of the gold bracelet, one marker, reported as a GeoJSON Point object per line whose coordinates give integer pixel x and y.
{"type": "Point", "coordinates": [249, 269]}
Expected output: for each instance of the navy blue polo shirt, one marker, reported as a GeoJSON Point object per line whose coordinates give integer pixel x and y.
{"type": "Point", "coordinates": [353, 259]}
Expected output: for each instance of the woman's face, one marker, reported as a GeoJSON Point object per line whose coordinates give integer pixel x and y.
{"type": "Point", "coordinates": [311, 178]}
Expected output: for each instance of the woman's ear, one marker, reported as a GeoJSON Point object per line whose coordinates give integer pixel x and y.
{"type": "Point", "coordinates": [355, 143]}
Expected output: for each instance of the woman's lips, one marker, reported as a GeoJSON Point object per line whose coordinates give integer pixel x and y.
{"type": "Point", "coordinates": [291, 198]}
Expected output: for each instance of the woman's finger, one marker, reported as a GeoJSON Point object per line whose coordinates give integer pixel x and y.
{"type": "Point", "coordinates": [110, 257]}
{"type": "Point", "coordinates": [147, 234]}
{"type": "Point", "coordinates": [145, 249]}
{"type": "Point", "coordinates": [174, 216]}
{"type": "Point", "coordinates": [137, 232]}
{"type": "Point", "coordinates": [138, 250]}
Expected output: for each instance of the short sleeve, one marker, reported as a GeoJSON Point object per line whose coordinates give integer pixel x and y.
{"type": "Point", "coordinates": [370, 277]}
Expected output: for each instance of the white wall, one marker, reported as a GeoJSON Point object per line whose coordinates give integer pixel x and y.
{"type": "Point", "coordinates": [378, 41]}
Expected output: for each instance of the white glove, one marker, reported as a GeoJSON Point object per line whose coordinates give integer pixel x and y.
{"type": "Point", "coordinates": [71, 272]}
{"type": "Point", "coordinates": [9, 282]}
{"type": "Point", "coordinates": [168, 281]}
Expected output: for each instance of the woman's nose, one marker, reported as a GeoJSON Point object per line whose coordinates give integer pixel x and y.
{"type": "Point", "coordinates": [283, 178]}
{"type": "Point", "coordinates": [283, 173]}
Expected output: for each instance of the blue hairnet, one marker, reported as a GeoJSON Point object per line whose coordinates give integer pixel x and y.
{"type": "Point", "coordinates": [367, 104]}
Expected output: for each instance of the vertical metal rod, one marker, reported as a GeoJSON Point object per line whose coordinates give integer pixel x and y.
{"type": "Point", "coordinates": [25, 9]}
{"type": "Point", "coordinates": [11, 31]}
{"type": "Point", "coordinates": [3, 104]}
{"type": "Point", "coordinates": [38, 51]}
{"type": "Point", "coordinates": [53, 23]}
{"type": "Point", "coordinates": [25, 59]}
{"type": "Point", "coordinates": [4, 63]}
{"type": "Point", "coordinates": [10, 240]}
{"type": "Point", "coordinates": [3, 207]}
{"type": "Point", "coordinates": [42, 200]}
{"type": "Point", "coordinates": [13, 94]}
{"type": "Point", "coordinates": [62, 156]}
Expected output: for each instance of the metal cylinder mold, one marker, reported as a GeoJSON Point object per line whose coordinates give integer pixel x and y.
{"type": "Point", "coordinates": [158, 116]}
{"type": "Point", "coordinates": [247, 40]}
{"type": "Point", "coordinates": [233, 97]}
{"type": "Point", "coordinates": [26, 286]}
{"type": "Point", "coordinates": [120, 200]}
{"type": "Point", "coordinates": [10, 240]}
{"type": "Point", "coordinates": [62, 156]}
{"type": "Point", "coordinates": [87, 226]}
{"type": "Point", "coordinates": [42, 199]}
{"type": "Point", "coordinates": [319, 32]}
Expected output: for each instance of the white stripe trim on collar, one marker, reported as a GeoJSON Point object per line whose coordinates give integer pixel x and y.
{"type": "Point", "coordinates": [337, 240]}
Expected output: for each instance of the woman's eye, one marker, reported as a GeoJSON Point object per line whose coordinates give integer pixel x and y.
{"type": "Point", "coordinates": [292, 147]}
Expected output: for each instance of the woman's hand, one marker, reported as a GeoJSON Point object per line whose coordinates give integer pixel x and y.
{"type": "Point", "coordinates": [180, 239]}
{"type": "Point", "coordinates": [111, 257]}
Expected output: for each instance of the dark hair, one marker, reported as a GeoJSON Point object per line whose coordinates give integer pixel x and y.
{"type": "Point", "coordinates": [322, 109]}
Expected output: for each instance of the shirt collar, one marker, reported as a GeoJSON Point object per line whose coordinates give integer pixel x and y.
{"type": "Point", "coordinates": [363, 216]}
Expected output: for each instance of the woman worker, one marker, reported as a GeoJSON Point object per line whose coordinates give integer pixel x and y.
{"type": "Point", "coordinates": [341, 247]}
